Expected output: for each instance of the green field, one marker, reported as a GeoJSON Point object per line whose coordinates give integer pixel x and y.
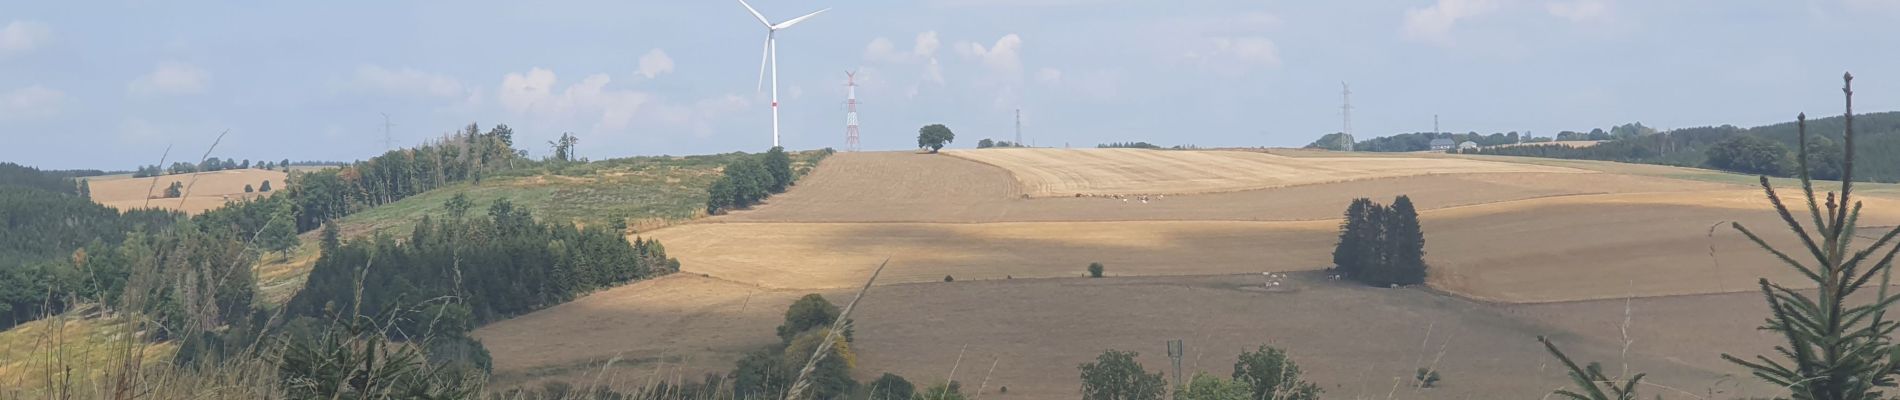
{"type": "Point", "coordinates": [645, 192]}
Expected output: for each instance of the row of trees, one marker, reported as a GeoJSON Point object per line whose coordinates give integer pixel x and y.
{"type": "Point", "coordinates": [1381, 246]}
{"type": "Point", "coordinates": [467, 155]}
{"type": "Point", "coordinates": [750, 179]}
{"type": "Point", "coordinates": [1767, 150]}
{"type": "Point", "coordinates": [209, 164]}
{"type": "Point", "coordinates": [987, 143]}
{"type": "Point", "coordinates": [1263, 373]}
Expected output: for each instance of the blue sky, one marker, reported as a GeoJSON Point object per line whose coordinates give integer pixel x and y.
{"type": "Point", "coordinates": [110, 84]}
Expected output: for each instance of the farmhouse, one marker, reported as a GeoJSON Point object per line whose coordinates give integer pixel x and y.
{"type": "Point", "coordinates": [1468, 145]}
{"type": "Point", "coordinates": [1442, 144]}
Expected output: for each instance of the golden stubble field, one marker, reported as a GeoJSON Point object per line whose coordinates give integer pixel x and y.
{"type": "Point", "coordinates": [1514, 255]}
{"type": "Point", "coordinates": [208, 189]}
{"type": "Point", "coordinates": [1068, 172]}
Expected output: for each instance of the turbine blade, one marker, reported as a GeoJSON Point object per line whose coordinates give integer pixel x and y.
{"type": "Point", "coordinates": [795, 21]}
{"type": "Point", "coordinates": [764, 54]}
{"type": "Point", "coordinates": [755, 14]}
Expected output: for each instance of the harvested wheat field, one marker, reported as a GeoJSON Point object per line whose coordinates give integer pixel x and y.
{"type": "Point", "coordinates": [908, 187]}
{"type": "Point", "coordinates": [1518, 248]}
{"type": "Point", "coordinates": [1069, 172]}
{"type": "Point", "coordinates": [207, 190]}
{"type": "Point", "coordinates": [1612, 246]}
{"type": "Point", "coordinates": [837, 255]}
{"type": "Point", "coordinates": [1037, 330]}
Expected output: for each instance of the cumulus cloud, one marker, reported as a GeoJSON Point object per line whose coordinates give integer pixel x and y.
{"type": "Point", "coordinates": [169, 78]}
{"type": "Point", "coordinates": [407, 82]}
{"type": "Point", "coordinates": [1003, 57]}
{"type": "Point", "coordinates": [923, 51]}
{"type": "Point", "coordinates": [22, 36]}
{"type": "Point", "coordinates": [1433, 24]}
{"type": "Point", "coordinates": [31, 102]}
{"type": "Point", "coordinates": [655, 63]}
{"type": "Point", "coordinates": [882, 50]}
{"type": "Point", "coordinates": [927, 44]}
{"type": "Point", "coordinates": [1579, 10]}
{"type": "Point", "coordinates": [534, 93]}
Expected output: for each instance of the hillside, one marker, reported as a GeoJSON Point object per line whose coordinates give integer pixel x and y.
{"type": "Point", "coordinates": [1515, 252]}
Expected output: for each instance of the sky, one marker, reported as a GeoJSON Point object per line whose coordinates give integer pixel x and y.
{"type": "Point", "coordinates": [113, 84]}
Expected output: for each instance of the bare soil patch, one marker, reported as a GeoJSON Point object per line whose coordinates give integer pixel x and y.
{"type": "Point", "coordinates": [208, 190]}
{"type": "Point", "coordinates": [1067, 172]}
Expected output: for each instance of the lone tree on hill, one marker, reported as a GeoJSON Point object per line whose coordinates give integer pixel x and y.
{"type": "Point", "coordinates": [934, 137]}
{"type": "Point", "coordinates": [265, 187]}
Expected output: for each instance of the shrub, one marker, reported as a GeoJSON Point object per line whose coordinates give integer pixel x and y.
{"type": "Point", "coordinates": [1427, 378]}
{"type": "Point", "coordinates": [892, 387]}
{"type": "Point", "coordinates": [1273, 375]}
{"type": "Point", "coordinates": [947, 278]}
{"type": "Point", "coordinates": [1116, 376]}
{"type": "Point", "coordinates": [1095, 270]}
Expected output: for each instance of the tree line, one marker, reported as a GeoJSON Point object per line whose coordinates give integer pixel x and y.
{"type": "Point", "coordinates": [208, 165]}
{"type": "Point", "coordinates": [1767, 150]}
{"type": "Point", "coordinates": [748, 180]}
{"type": "Point", "coordinates": [466, 155]}
{"type": "Point", "coordinates": [1380, 245]}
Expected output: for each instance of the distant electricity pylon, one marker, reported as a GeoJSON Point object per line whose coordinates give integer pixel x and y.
{"type": "Point", "coordinates": [851, 111]}
{"type": "Point", "coordinates": [389, 142]}
{"type": "Point", "coordinates": [1019, 128]}
{"type": "Point", "coordinates": [1345, 111]}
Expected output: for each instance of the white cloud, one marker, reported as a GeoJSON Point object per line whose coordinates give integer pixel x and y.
{"type": "Point", "coordinates": [1579, 10]}
{"type": "Point", "coordinates": [31, 102]}
{"type": "Point", "coordinates": [882, 50]}
{"type": "Point", "coordinates": [1003, 57]}
{"type": "Point", "coordinates": [655, 63]}
{"type": "Point", "coordinates": [927, 44]}
{"type": "Point", "coordinates": [1250, 50]}
{"type": "Point", "coordinates": [408, 82]}
{"type": "Point", "coordinates": [1049, 76]}
{"type": "Point", "coordinates": [22, 36]}
{"type": "Point", "coordinates": [933, 72]}
{"type": "Point", "coordinates": [170, 77]}
{"type": "Point", "coordinates": [1433, 24]}
{"type": "Point", "coordinates": [533, 93]}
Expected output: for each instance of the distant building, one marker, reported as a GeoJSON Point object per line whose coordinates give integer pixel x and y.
{"type": "Point", "coordinates": [1468, 145]}
{"type": "Point", "coordinates": [1442, 144]}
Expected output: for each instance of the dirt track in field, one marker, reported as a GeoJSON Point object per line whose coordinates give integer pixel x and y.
{"type": "Point", "coordinates": [208, 189]}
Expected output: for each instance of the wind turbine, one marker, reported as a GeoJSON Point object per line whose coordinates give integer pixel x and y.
{"type": "Point", "coordinates": [770, 54]}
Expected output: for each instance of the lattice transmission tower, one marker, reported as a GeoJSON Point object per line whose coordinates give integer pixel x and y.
{"type": "Point", "coordinates": [851, 111]}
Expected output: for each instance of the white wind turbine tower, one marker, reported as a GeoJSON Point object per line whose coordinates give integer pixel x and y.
{"type": "Point", "coordinates": [770, 54]}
